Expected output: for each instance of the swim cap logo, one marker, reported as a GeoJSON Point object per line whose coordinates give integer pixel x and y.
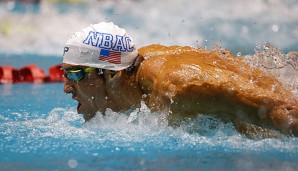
{"type": "Point", "coordinates": [65, 50]}
{"type": "Point", "coordinates": [106, 41]}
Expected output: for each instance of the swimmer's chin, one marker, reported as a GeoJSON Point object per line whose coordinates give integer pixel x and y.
{"type": "Point", "coordinates": [87, 117]}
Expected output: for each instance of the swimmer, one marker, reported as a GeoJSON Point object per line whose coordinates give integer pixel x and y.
{"type": "Point", "coordinates": [103, 69]}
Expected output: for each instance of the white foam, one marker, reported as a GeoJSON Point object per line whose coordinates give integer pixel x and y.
{"type": "Point", "coordinates": [274, 61]}
{"type": "Point", "coordinates": [126, 130]}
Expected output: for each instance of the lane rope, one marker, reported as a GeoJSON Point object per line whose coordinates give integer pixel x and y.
{"type": "Point", "coordinates": [30, 74]}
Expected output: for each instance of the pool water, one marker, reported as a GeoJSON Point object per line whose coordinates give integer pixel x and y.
{"type": "Point", "coordinates": [39, 126]}
{"type": "Point", "coordinates": [40, 130]}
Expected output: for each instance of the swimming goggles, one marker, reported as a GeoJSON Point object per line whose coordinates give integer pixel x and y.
{"type": "Point", "coordinates": [76, 74]}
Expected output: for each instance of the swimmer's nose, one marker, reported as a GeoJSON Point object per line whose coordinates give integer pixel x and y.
{"type": "Point", "coordinates": [68, 86]}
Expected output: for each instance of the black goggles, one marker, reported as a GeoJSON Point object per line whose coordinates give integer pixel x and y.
{"type": "Point", "coordinates": [76, 74]}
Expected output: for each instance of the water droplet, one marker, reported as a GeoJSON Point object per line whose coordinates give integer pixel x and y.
{"type": "Point", "coordinates": [273, 87]}
{"type": "Point", "coordinates": [258, 46]}
{"type": "Point", "coordinates": [72, 163]}
{"type": "Point", "coordinates": [239, 54]}
{"type": "Point", "coordinates": [172, 101]}
{"type": "Point", "coordinates": [275, 28]}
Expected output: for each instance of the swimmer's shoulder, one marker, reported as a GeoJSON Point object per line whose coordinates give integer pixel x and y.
{"type": "Point", "coordinates": [165, 66]}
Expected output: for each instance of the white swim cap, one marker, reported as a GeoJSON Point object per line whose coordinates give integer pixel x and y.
{"type": "Point", "coordinates": [103, 45]}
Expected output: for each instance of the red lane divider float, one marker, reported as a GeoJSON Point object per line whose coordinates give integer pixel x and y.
{"type": "Point", "coordinates": [30, 74]}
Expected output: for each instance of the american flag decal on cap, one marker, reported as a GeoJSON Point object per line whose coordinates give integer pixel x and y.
{"type": "Point", "coordinates": [110, 56]}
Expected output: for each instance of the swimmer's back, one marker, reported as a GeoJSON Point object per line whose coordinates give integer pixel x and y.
{"type": "Point", "coordinates": [190, 81]}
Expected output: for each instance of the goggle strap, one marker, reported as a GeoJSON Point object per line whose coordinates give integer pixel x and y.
{"type": "Point", "coordinates": [89, 69]}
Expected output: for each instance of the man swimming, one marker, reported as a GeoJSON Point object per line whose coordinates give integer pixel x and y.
{"type": "Point", "coordinates": [103, 69]}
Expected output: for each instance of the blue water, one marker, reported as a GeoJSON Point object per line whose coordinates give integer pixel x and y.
{"type": "Point", "coordinates": [39, 126]}
{"type": "Point", "coordinates": [40, 130]}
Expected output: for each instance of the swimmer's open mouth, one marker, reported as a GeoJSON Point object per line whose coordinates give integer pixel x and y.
{"type": "Point", "coordinates": [79, 105]}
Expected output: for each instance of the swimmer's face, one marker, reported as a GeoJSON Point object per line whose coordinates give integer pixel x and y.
{"type": "Point", "coordinates": [89, 92]}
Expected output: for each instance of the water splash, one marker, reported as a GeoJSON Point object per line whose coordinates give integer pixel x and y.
{"type": "Point", "coordinates": [274, 61]}
{"type": "Point", "coordinates": [135, 130]}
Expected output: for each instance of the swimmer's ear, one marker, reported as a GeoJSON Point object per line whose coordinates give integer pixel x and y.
{"type": "Point", "coordinates": [111, 75]}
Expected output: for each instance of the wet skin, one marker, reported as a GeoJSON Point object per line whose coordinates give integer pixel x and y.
{"type": "Point", "coordinates": [98, 91]}
{"type": "Point", "coordinates": [184, 82]}
{"type": "Point", "coordinates": [88, 92]}
{"type": "Point", "coordinates": [188, 81]}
